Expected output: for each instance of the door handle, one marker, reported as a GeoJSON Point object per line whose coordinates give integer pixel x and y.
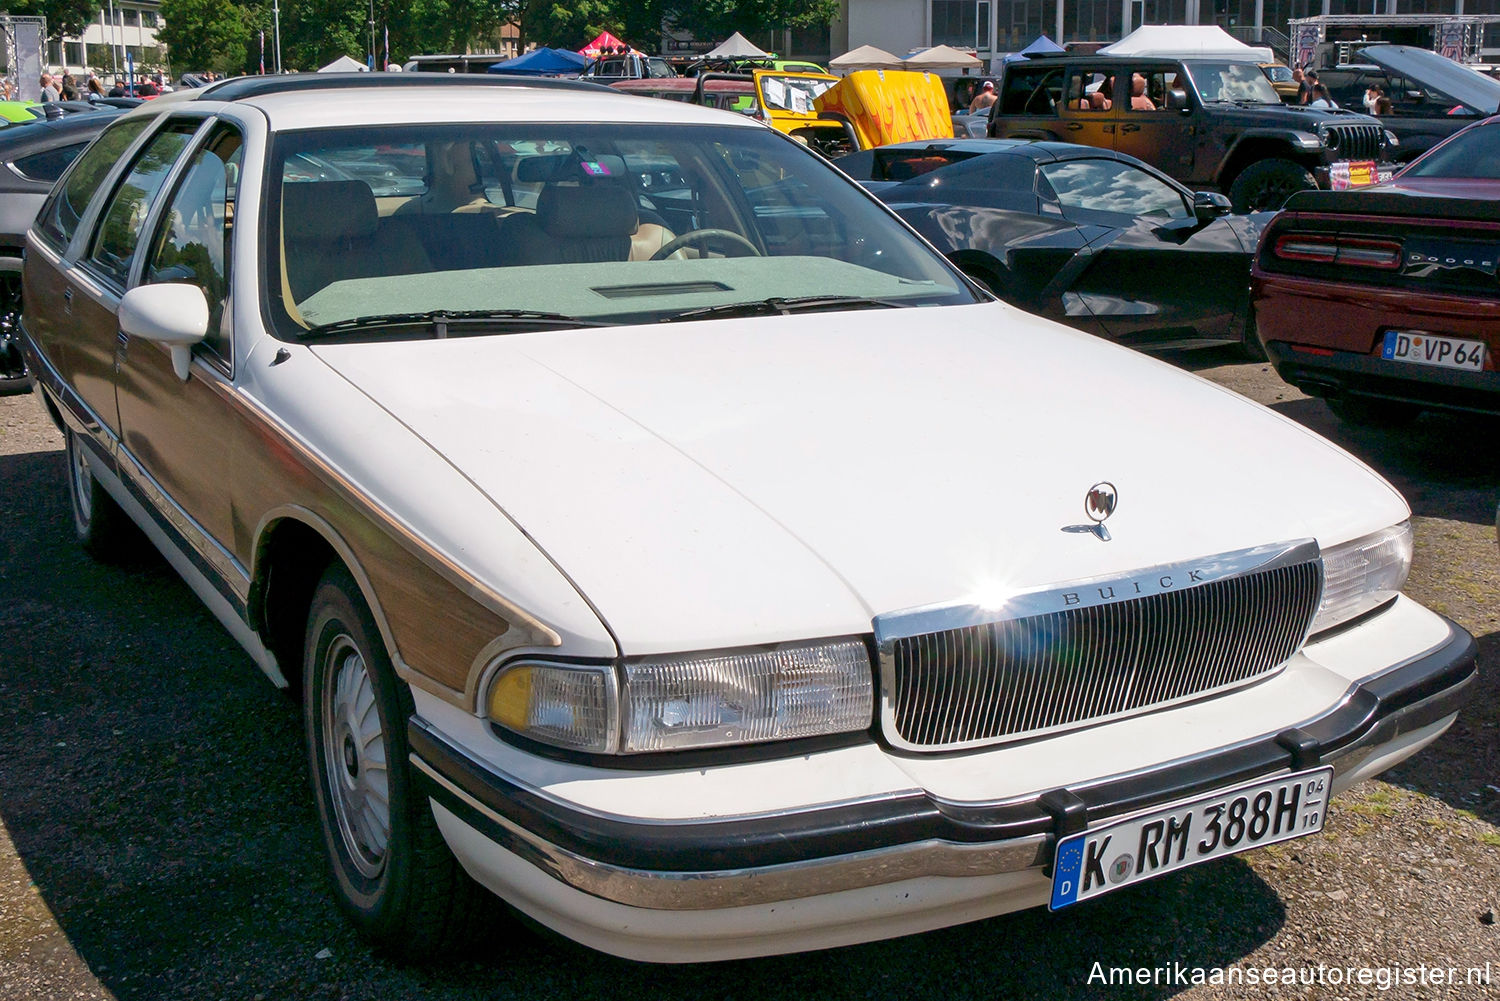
{"type": "Point", "coordinates": [1130, 128]}
{"type": "Point", "coordinates": [67, 295]}
{"type": "Point", "coordinates": [1074, 126]}
{"type": "Point", "coordinates": [1110, 129]}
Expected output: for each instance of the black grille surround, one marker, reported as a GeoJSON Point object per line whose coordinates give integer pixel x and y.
{"type": "Point", "coordinates": [1353, 142]}
{"type": "Point", "coordinates": [1045, 673]}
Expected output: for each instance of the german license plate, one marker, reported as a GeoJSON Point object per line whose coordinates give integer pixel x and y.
{"type": "Point", "coordinates": [1222, 823]}
{"type": "Point", "coordinates": [1422, 348]}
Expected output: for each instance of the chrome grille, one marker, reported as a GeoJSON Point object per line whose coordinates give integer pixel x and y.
{"type": "Point", "coordinates": [1062, 669]}
{"type": "Point", "coordinates": [1354, 142]}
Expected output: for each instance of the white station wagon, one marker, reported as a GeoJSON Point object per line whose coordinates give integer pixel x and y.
{"type": "Point", "coordinates": [665, 538]}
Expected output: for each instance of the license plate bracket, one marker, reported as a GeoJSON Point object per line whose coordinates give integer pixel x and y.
{"type": "Point", "coordinates": [1225, 822]}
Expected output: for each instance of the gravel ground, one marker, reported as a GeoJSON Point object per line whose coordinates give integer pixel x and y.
{"type": "Point", "coordinates": [157, 840]}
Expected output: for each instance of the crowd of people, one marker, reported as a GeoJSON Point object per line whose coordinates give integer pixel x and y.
{"type": "Point", "coordinates": [1315, 95]}
{"type": "Point", "coordinates": [65, 87]}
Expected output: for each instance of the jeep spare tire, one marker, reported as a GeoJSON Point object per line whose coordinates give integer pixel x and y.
{"type": "Point", "coordinates": [1266, 185]}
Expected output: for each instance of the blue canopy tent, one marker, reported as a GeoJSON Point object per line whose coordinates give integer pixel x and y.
{"type": "Point", "coordinates": [543, 62]}
{"type": "Point", "coordinates": [1041, 46]}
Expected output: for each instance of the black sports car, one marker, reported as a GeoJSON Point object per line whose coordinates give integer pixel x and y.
{"type": "Point", "coordinates": [32, 156]}
{"type": "Point", "coordinates": [1088, 237]}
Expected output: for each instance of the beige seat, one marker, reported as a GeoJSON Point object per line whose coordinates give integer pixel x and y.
{"type": "Point", "coordinates": [333, 232]}
{"type": "Point", "coordinates": [452, 184]}
{"type": "Point", "coordinates": [579, 222]}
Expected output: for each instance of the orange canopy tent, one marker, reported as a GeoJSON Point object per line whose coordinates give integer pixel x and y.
{"type": "Point", "coordinates": [606, 42]}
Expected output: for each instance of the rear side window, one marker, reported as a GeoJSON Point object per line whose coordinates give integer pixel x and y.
{"type": "Point", "coordinates": [120, 229]}
{"type": "Point", "coordinates": [58, 219]}
{"type": "Point", "coordinates": [48, 165]}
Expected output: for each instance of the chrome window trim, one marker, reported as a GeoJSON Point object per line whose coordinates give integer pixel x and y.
{"type": "Point", "coordinates": [1091, 592]}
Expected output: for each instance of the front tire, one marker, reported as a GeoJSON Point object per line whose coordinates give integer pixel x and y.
{"type": "Point", "coordinates": [393, 874]}
{"type": "Point", "coordinates": [13, 375]}
{"type": "Point", "coordinates": [1266, 185]}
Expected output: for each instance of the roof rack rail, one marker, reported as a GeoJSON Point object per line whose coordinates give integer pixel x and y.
{"type": "Point", "coordinates": [241, 87]}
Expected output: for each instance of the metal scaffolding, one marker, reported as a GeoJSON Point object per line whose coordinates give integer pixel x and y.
{"type": "Point", "coordinates": [24, 44]}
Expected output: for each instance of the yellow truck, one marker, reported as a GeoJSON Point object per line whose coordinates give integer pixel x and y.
{"type": "Point", "coordinates": [864, 109]}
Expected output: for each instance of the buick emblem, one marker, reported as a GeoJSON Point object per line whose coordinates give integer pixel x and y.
{"type": "Point", "coordinates": [1100, 502]}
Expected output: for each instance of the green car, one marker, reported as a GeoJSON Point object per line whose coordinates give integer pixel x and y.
{"type": "Point", "coordinates": [17, 111]}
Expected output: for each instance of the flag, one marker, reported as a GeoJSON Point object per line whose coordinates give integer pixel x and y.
{"type": "Point", "coordinates": [387, 48]}
{"type": "Point", "coordinates": [262, 53]}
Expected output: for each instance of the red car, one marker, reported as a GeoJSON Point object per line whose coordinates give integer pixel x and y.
{"type": "Point", "coordinates": [1385, 300]}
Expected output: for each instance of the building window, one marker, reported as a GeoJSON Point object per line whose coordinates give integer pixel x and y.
{"type": "Point", "coordinates": [132, 17]}
{"type": "Point", "coordinates": [149, 18]}
{"type": "Point", "coordinates": [963, 24]}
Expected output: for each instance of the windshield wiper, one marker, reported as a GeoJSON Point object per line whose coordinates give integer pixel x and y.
{"type": "Point", "coordinates": [777, 304]}
{"type": "Point", "coordinates": [442, 319]}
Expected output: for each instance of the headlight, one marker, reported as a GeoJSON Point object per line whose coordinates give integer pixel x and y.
{"type": "Point", "coordinates": [690, 701]}
{"type": "Point", "coordinates": [1363, 574]}
{"type": "Point", "coordinates": [1390, 138]}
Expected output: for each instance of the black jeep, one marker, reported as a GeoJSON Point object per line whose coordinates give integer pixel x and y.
{"type": "Point", "coordinates": [1212, 124]}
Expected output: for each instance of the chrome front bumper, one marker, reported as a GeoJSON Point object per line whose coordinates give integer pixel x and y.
{"type": "Point", "coordinates": [712, 865]}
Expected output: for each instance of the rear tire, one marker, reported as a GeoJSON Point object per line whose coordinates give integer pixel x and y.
{"type": "Point", "coordinates": [1383, 414]}
{"type": "Point", "coordinates": [393, 875]}
{"type": "Point", "coordinates": [99, 524]}
{"type": "Point", "coordinates": [1251, 347]}
{"type": "Point", "coordinates": [1266, 185]}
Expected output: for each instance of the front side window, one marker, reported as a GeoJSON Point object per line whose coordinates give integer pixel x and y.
{"type": "Point", "coordinates": [1092, 90]}
{"type": "Point", "coordinates": [120, 229]}
{"type": "Point", "coordinates": [193, 239]}
{"type": "Point", "coordinates": [1113, 187]}
{"type": "Point", "coordinates": [1232, 82]}
{"type": "Point", "coordinates": [58, 219]}
{"type": "Point", "coordinates": [587, 223]}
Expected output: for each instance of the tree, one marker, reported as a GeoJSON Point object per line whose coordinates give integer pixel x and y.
{"type": "Point", "coordinates": [64, 17]}
{"type": "Point", "coordinates": [718, 19]}
{"type": "Point", "coordinates": [204, 34]}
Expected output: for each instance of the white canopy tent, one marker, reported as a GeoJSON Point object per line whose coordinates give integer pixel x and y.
{"type": "Point", "coordinates": [344, 64]}
{"type": "Point", "coordinates": [736, 46]}
{"type": "Point", "coordinates": [866, 57]}
{"type": "Point", "coordinates": [942, 57]}
{"type": "Point", "coordinates": [1187, 41]}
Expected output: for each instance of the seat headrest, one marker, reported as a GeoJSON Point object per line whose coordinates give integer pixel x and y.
{"type": "Point", "coordinates": [601, 209]}
{"type": "Point", "coordinates": [328, 210]}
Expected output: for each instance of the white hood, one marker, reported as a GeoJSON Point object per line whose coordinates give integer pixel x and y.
{"type": "Point", "coordinates": [737, 481]}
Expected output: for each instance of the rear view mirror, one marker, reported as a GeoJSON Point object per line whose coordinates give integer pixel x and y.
{"type": "Point", "coordinates": [1209, 205]}
{"type": "Point", "coordinates": [170, 314]}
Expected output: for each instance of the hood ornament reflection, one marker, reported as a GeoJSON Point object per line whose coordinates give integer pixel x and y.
{"type": "Point", "coordinates": [1099, 503]}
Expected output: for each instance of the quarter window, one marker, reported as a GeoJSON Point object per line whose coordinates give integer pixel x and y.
{"type": "Point", "coordinates": [120, 231]}
{"type": "Point", "coordinates": [48, 165]}
{"type": "Point", "coordinates": [1032, 91]}
{"type": "Point", "coordinates": [59, 217]}
{"type": "Point", "coordinates": [1114, 187]}
{"type": "Point", "coordinates": [193, 240]}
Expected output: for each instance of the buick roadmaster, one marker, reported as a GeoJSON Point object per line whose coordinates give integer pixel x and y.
{"type": "Point", "coordinates": [664, 538]}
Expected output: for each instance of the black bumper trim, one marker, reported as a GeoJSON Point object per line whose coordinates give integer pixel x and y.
{"type": "Point", "coordinates": [1348, 373]}
{"type": "Point", "coordinates": [1399, 701]}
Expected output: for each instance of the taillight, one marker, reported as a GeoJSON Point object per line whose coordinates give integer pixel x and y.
{"type": "Point", "coordinates": [1338, 250]}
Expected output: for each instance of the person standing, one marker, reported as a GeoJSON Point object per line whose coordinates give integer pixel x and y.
{"type": "Point", "coordinates": [49, 90]}
{"type": "Point", "coordinates": [1321, 98]}
{"type": "Point", "coordinates": [1304, 92]}
{"type": "Point", "coordinates": [984, 98]}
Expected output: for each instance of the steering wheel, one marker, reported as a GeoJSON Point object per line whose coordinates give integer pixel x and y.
{"type": "Point", "coordinates": [704, 235]}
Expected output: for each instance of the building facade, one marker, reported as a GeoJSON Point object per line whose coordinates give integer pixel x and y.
{"type": "Point", "coordinates": [121, 30]}
{"type": "Point", "coordinates": [993, 28]}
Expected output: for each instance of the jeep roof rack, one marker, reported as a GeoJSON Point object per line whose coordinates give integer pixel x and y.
{"type": "Point", "coordinates": [242, 87]}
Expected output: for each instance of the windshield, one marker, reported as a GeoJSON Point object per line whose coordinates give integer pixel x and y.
{"type": "Point", "coordinates": [1474, 153]}
{"type": "Point", "coordinates": [599, 224]}
{"type": "Point", "coordinates": [1232, 82]}
{"type": "Point", "coordinates": [792, 93]}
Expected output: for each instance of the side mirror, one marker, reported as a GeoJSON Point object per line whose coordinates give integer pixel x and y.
{"type": "Point", "coordinates": [1209, 205]}
{"type": "Point", "coordinates": [171, 314]}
